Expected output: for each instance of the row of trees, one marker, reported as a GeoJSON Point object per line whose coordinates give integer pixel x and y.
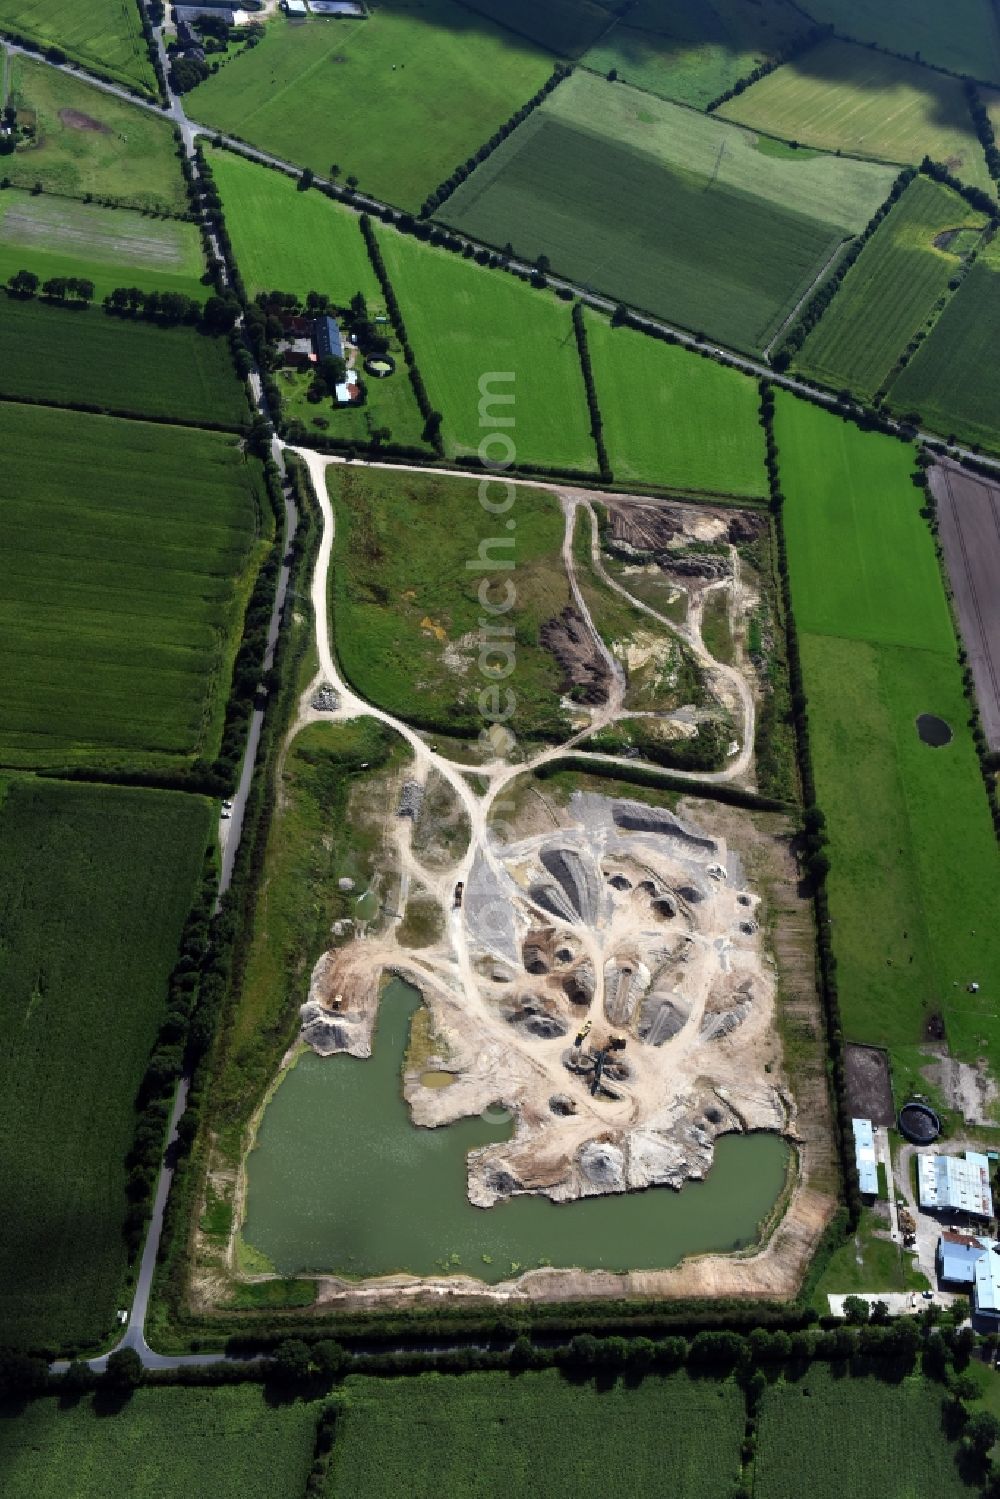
{"type": "Point", "coordinates": [218, 314]}
{"type": "Point", "coordinates": [984, 128]}
{"type": "Point", "coordinates": [69, 291]}
{"type": "Point", "coordinates": [458, 176]}
{"type": "Point", "coordinates": [795, 48]}
{"type": "Point", "coordinates": [596, 420]}
{"type": "Point", "coordinates": [432, 418]}
{"type": "Point", "coordinates": [827, 290]}
{"type": "Point", "coordinates": [815, 855]}
{"type": "Point", "coordinates": [222, 967]}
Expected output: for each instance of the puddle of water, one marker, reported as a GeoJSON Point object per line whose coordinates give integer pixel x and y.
{"type": "Point", "coordinates": [341, 1181]}
{"type": "Point", "coordinates": [435, 1079]}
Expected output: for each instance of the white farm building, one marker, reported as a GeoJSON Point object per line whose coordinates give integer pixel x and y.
{"type": "Point", "coordinates": [951, 1184]}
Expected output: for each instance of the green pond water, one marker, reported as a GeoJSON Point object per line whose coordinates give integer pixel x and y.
{"type": "Point", "coordinates": [341, 1181]}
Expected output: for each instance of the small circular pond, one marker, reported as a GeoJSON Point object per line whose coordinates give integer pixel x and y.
{"type": "Point", "coordinates": [934, 730]}
{"type": "Point", "coordinates": [380, 365]}
{"type": "Point", "coordinates": [919, 1123]}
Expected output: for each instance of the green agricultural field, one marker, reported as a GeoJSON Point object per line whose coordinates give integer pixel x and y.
{"type": "Point", "coordinates": [673, 212]}
{"type": "Point", "coordinates": [164, 1444]}
{"type": "Point", "coordinates": [467, 324]}
{"type": "Point", "coordinates": [487, 1434]}
{"type": "Point", "coordinates": [674, 419]}
{"type": "Point", "coordinates": [95, 884]}
{"type": "Point", "coordinates": [827, 1435]}
{"type": "Point", "coordinates": [565, 27]}
{"type": "Point", "coordinates": [696, 49]}
{"type": "Point", "coordinates": [111, 247]}
{"type": "Point", "coordinates": [953, 379]}
{"type": "Point", "coordinates": [129, 552]}
{"type": "Point", "coordinates": [87, 141]}
{"type": "Point", "coordinates": [399, 99]}
{"type": "Point", "coordinates": [845, 98]}
{"type": "Point", "coordinates": [914, 861]}
{"type": "Point", "coordinates": [134, 368]}
{"type": "Point", "coordinates": [890, 292]}
{"type": "Point", "coordinates": [406, 618]}
{"type": "Point", "coordinates": [963, 36]}
{"type": "Point", "coordinates": [311, 243]}
{"type": "Point", "coordinates": [104, 35]}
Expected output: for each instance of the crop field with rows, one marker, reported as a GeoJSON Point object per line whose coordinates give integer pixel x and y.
{"type": "Point", "coordinates": [129, 551]}
{"type": "Point", "coordinates": [890, 291]}
{"type": "Point", "coordinates": [95, 884]}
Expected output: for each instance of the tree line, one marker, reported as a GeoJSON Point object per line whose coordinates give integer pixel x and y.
{"type": "Point", "coordinates": [432, 418]}
{"type": "Point", "coordinates": [458, 176]}
{"type": "Point", "coordinates": [596, 420]}
{"type": "Point", "coordinates": [795, 48]}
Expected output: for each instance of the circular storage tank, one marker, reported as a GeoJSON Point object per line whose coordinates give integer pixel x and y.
{"type": "Point", "coordinates": [919, 1123]}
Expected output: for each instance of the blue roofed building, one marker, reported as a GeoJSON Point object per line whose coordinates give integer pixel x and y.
{"type": "Point", "coordinates": [986, 1286]}
{"type": "Point", "coordinates": [327, 338]}
{"type": "Point", "coordinates": [957, 1257]}
{"type": "Point", "coordinates": [864, 1157]}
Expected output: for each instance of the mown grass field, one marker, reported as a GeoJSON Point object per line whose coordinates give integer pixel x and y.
{"type": "Point", "coordinates": [89, 141]}
{"type": "Point", "coordinates": [466, 323]}
{"type": "Point", "coordinates": [111, 247]}
{"type": "Point", "coordinates": [95, 884]}
{"type": "Point", "coordinates": [399, 99]}
{"type": "Point", "coordinates": [131, 367]}
{"type": "Point", "coordinates": [827, 1436]}
{"type": "Point", "coordinates": [638, 198]}
{"type": "Point", "coordinates": [864, 1263]}
{"type": "Point", "coordinates": [565, 27]}
{"type": "Point", "coordinates": [672, 418]}
{"type": "Point", "coordinates": [165, 1444]}
{"type": "Point", "coordinates": [129, 551]}
{"type": "Point", "coordinates": [694, 50]}
{"type": "Point", "coordinates": [963, 37]}
{"type": "Point", "coordinates": [845, 98]}
{"type": "Point", "coordinates": [406, 617]}
{"type": "Point", "coordinates": [890, 291]}
{"type": "Point", "coordinates": [104, 35]}
{"type": "Point", "coordinates": [486, 1434]}
{"type": "Point", "coordinates": [914, 861]}
{"type": "Point", "coordinates": [953, 379]}
{"type": "Point", "coordinates": [311, 244]}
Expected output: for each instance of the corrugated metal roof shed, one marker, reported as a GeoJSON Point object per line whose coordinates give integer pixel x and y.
{"type": "Point", "coordinates": [986, 1288]}
{"type": "Point", "coordinates": [864, 1156]}
{"type": "Point", "coordinates": [951, 1184]}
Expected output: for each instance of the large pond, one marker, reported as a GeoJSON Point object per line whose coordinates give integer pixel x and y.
{"type": "Point", "coordinates": [341, 1181]}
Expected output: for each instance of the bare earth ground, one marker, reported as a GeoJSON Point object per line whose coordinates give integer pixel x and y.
{"type": "Point", "coordinates": [969, 520]}
{"type": "Point", "coordinates": [869, 1089]}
